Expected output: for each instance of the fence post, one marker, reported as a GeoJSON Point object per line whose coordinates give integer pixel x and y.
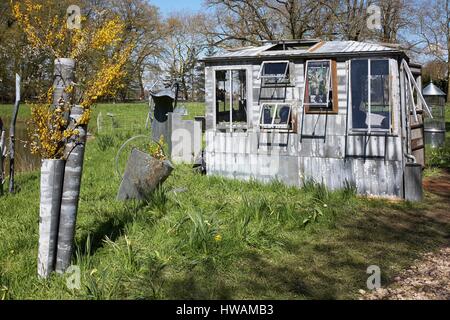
{"type": "Point", "coordinates": [2, 156]}
{"type": "Point", "coordinates": [12, 139]}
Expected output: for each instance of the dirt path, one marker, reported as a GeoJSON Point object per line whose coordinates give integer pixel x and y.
{"type": "Point", "coordinates": [429, 277]}
{"type": "Point", "coordinates": [439, 186]}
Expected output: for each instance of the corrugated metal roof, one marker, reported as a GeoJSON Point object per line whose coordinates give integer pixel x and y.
{"type": "Point", "coordinates": [432, 90]}
{"type": "Point", "coordinates": [322, 48]}
{"type": "Point", "coordinates": [246, 52]}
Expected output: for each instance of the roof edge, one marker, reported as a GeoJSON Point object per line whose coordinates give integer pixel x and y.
{"type": "Point", "coordinates": [307, 55]}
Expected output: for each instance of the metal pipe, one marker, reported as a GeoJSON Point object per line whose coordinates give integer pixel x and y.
{"type": "Point", "coordinates": [411, 157]}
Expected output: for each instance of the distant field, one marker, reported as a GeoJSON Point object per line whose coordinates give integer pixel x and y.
{"type": "Point", "coordinates": [6, 111]}
{"type": "Point", "coordinates": [194, 108]}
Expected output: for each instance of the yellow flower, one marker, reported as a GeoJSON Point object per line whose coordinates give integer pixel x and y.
{"type": "Point", "coordinates": [48, 132]}
{"type": "Point", "coordinates": [109, 34]}
{"type": "Point", "coordinates": [218, 238]}
{"type": "Point", "coordinates": [47, 128]}
{"type": "Point", "coordinates": [156, 149]}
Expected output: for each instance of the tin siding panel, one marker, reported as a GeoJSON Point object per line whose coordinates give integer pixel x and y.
{"type": "Point", "coordinates": [209, 98]}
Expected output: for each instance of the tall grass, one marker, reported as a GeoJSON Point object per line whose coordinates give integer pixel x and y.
{"type": "Point", "coordinates": [104, 142]}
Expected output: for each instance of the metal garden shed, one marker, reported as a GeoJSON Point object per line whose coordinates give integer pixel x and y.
{"type": "Point", "coordinates": [336, 112]}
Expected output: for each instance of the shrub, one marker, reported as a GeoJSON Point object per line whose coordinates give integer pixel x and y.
{"type": "Point", "coordinates": [439, 157]}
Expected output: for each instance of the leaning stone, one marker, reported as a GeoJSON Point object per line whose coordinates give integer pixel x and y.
{"type": "Point", "coordinates": [143, 174]}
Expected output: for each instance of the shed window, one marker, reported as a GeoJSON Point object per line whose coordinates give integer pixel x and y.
{"type": "Point", "coordinates": [274, 73]}
{"type": "Point", "coordinates": [370, 90]}
{"type": "Point", "coordinates": [231, 99]}
{"type": "Point", "coordinates": [318, 85]}
{"type": "Point", "coordinates": [276, 116]}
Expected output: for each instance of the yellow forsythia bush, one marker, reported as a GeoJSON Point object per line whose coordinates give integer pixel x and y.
{"type": "Point", "coordinates": [106, 39]}
{"type": "Point", "coordinates": [48, 132]}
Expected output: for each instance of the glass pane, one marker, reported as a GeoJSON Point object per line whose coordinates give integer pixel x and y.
{"type": "Point", "coordinates": [267, 114]}
{"type": "Point", "coordinates": [359, 89]}
{"type": "Point", "coordinates": [275, 69]}
{"type": "Point", "coordinates": [222, 91]}
{"type": "Point", "coordinates": [239, 95]}
{"type": "Point", "coordinates": [379, 94]}
{"type": "Point", "coordinates": [317, 83]}
{"type": "Point", "coordinates": [231, 91]}
{"type": "Point", "coordinates": [437, 108]}
{"type": "Point", "coordinates": [283, 114]}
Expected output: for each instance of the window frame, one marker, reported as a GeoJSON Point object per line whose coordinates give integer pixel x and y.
{"type": "Point", "coordinates": [284, 77]}
{"type": "Point", "coordinates": [369, 129]}
{"type": "Point", "coordinates": [273, 126]}
{"type": "Point", "coordinates": [231, 126]}
{"type": "Point", "coordinates": [333, 88]}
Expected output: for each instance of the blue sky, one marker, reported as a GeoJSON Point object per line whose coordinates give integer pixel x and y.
{"type": "Point", "coordinates": [167, 6]}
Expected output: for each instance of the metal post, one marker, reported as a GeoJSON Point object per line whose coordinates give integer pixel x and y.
{"type": "Point", "coordinates": [2, 156]}
{"type": "Point", "coordinates": [12, 132]}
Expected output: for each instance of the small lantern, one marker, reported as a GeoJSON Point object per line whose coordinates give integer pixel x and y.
{"type": "Point", "coordinates": [435, 128]}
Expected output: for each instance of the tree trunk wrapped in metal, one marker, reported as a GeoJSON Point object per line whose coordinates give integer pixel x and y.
{"type": "Point", "coordinates": [52, 173]}
{"type": "Point", "coordinates": [74, 153]}
{"type": "Point", "coordinates": [64, 76]}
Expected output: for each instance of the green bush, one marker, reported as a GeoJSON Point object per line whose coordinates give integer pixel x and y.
{"type": "Point", "coordinates": [439, 157]}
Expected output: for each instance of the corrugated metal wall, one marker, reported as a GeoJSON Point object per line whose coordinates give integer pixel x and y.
{"type": "Point", "coordinates": [323, 149]}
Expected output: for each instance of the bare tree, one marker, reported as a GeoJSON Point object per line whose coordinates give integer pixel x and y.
{"type": "Point", "coordinates": [250, 21]}
{"type": "Point", "coordinates": [391, 21]}
{"type": "Point", "coordinates": [435, 70]}
{"type": "Point", "coordinates": [298, 17]}
{"type": "Point", "coordinates": [242, 21]}
{"type": "Point", "coordinates": [183, 48]}
{"type": "Point", "coordinates": [144, 22]}
{"type": "Point", "coordinates": [348, 17]}
{"type": "Point", "coordinates": [433, 31]}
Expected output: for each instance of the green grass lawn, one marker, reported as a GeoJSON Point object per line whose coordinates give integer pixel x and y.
{"type": "Point", "coordinates": [205, 237]}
